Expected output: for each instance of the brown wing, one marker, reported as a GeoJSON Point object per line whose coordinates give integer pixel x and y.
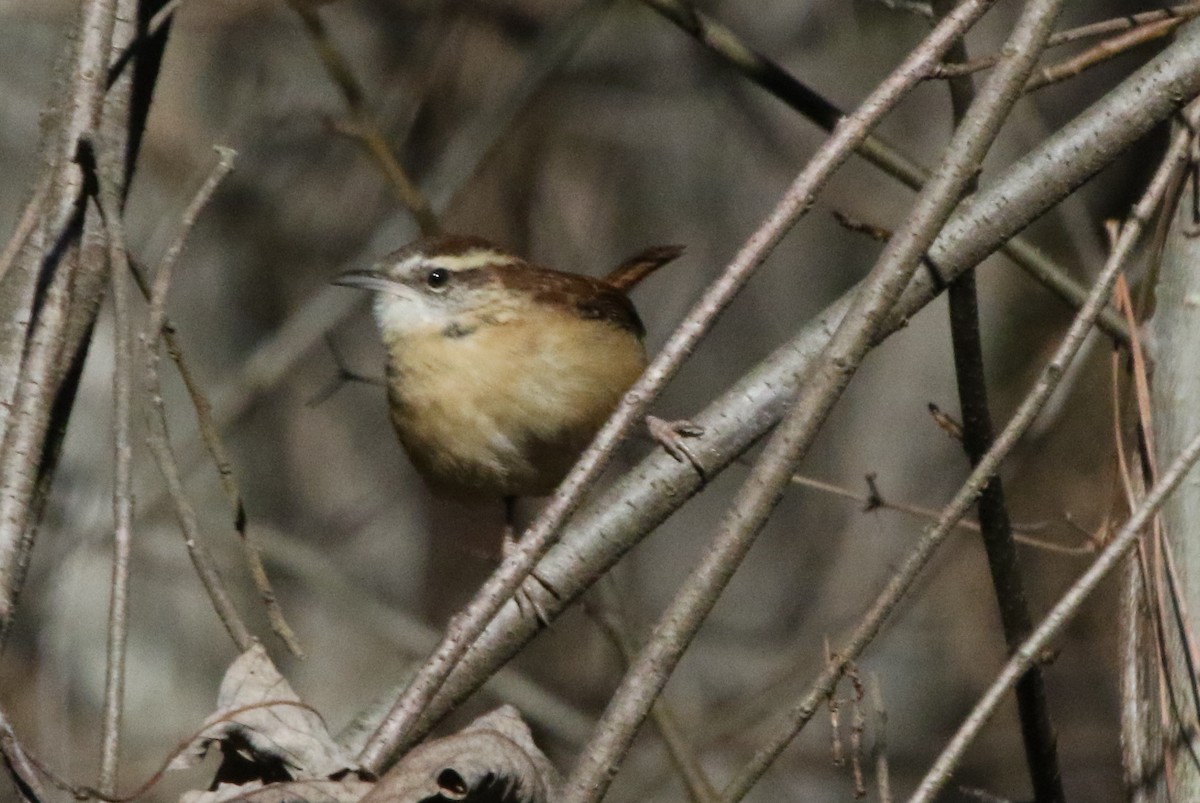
{"type": "Point", "coordinates": [584, 296]}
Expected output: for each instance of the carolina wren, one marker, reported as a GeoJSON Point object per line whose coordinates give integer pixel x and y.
{"type": "Point", "coordinates": [499, 371]}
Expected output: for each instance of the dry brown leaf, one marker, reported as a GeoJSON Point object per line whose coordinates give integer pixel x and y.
{"type": "Point", "coordinates": [492, 759]}
{"type": "Point", "coordinates": [263, 720]}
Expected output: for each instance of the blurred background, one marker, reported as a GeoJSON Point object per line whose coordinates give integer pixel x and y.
{"type": "Point", "coordinates": [640, 137]}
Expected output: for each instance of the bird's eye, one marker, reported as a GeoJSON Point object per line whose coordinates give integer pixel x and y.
{"type": "Point", "coordinates": [437, 278]}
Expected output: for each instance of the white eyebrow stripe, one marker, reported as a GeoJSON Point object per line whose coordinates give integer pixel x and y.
{"type": "Point", "coordinates": [475, 258]}
{"type": "Point", "coordinates": [409, 263]}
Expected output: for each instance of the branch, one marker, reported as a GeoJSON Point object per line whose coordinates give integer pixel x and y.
{"type": "Point", "coordinates": [1041, 752]}
{"type": "Point", "coordinates": [215, 446]}
{"type": "Point", "coordinates": [1101, 52]}
{"type": "Point", "coordinates": [785, 729]}
{"type": "Point", "coordinates": [1180, 13]}
{"type": "Point", "coordinates": [109, 175]}
{"type": "Point", "coordinates": [609, 614]}
{"type": "Point", "coordinates": [37, 356]}
{"type": "Point", "coordinates": [52, 289]}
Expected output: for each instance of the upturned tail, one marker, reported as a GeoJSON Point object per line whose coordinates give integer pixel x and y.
{"type": "Point", "coordinates": [626, 275]}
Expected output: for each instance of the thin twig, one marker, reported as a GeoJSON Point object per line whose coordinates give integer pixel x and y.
{"type": "Point", "coordinates": [1037, 730]}
{"type": "Point", "coordinates": [1058, 618]}
{"type": "Point", "coordinates": [108, 178]}
{"type": "Point", "coordinates": [1182, 12]}
{"type": "Point", "coordinates": [822, 112]}
{"type": "Point", "coordinates": [874, 501]}
{"type": "Point", "coordinates": [20, 767]}
{"type": "Point", "coordinates": [364, 127]}
{"type": "Point", "coordinates": [159, 436]}
{"type": "Point", "coordinates": [467, 626]}
{"type": "Point", "coordinates": [793, 720]}
{"type": "Point", "coordinates": [1100, 53]}
{"type": "Point", "coordinates": [883, 778]}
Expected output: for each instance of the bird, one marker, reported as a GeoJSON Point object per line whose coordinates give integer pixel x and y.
{"type": "Point", "coordinates": [499, 371]}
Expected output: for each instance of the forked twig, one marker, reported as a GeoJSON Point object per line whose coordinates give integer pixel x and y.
{"type": "Point", "coordinates": [158, 437]}
{"type": "Point", "coordinates": [364, 126]}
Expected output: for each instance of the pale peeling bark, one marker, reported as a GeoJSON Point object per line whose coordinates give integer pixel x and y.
{"type": "Point", "coordinates": [1175, 349]}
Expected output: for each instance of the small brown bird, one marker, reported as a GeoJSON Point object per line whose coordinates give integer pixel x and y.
{"type": "Point", "coordinates": [500, 372]}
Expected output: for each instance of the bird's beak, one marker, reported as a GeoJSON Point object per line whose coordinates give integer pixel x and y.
{"type": "Point", "coordinates": [369, 280]}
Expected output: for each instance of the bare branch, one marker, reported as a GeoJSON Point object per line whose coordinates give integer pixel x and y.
{"type": "Point", "coordinates": [1100, 53]}
{"type": "Point", "coordinates": [1180, 13]}
{"type": "Point", "coordinates": [850, 343]}
{"type": "Point", "coordinates": [42, 356]}
{"type": "Point", "coordinates": [1069, 604]}
{"type": "Point", "coordinates": [1037, 731]}
{"type": "Point", "coordinates": [108, 176]}
{"type": "Point", "coordinates": [789, 725]}
{"type": "Point", "coordinates": [608, 613]}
